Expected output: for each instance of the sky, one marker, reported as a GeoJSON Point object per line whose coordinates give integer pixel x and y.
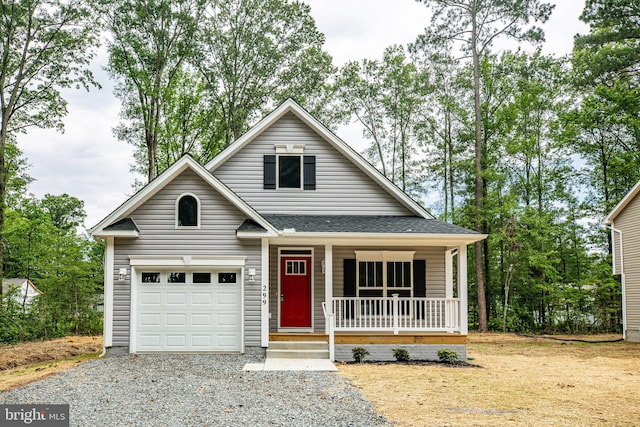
{"type": "Point", "coordinates": [88, 162]}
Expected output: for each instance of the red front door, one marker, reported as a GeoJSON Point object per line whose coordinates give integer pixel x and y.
{"type": "Point", "coordinates": [295, 292]}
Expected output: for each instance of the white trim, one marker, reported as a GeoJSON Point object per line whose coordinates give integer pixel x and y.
{"type": "Point", "coordinates": [108, 291]}
{"type": "Point", "coordinates": [190, 261]}
{"type": "Point", "coordinates": [622, 275]}
{"type": "Point", "coordinates": [264, 293]}
{"type": "Point", "coordinates": [290, 106]}
{"type": "Point", "coordinates": [177, 212]}
{"type": "Point", "coordinates": [289, 149]}
{"type": "Point", "coordinates": [117, 233]}
{"type": "Point", "coordinates": [311, 270]}
{"type": "Point", "coordinates": [328, 284]}
{"type": "Point", "coordinates": [385, 256]}
{"type": "Point", "coordinates": [462, 290]}
{"type": "Point", "coordinates": [448, 274]}
{"type": "Point", "coordinates": [185, 162]}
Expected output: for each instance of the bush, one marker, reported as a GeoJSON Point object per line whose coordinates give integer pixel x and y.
{"type": "Point", "coordinates": [448, 356]}
{"type": "Point", "coordinates": [359, 354]}
{"type": "Point", "coordinates": [401, 354]}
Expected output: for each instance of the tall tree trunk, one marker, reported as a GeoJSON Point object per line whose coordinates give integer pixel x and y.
{"type": "Point", "coordinates": [482, 303]}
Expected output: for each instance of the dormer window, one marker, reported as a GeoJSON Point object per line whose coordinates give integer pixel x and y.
{"type": "Point", "coordinates": [188, 211]}
{"type": "Point", "coordinates": [289, 169]}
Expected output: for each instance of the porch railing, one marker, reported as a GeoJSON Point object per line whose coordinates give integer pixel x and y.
{"type": "Point", "coordinates": [396, 314]}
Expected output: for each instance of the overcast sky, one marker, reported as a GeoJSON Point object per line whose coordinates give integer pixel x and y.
{"type": "Point", "coordinates": [88, 162]}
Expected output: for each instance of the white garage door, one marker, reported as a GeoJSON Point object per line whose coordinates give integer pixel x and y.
{"type": "Point", "coordinates": [188, 311]}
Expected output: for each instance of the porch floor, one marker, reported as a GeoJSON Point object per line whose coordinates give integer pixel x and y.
{"type": "Point", "coordinates": [374, 337]}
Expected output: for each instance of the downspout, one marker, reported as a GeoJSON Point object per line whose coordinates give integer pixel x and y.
{"type": "Point", "coordinates": [104, 310]}
{"type": "Point", "coordinates": [622, 278]}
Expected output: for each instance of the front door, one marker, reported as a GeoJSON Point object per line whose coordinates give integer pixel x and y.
{"type": "Point", "coordinates": [295, 292]}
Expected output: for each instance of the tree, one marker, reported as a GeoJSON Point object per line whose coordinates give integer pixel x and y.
{"type": "Point", "coordinates": [46, 45]}
{"type": "Point", "coordinates": [256, 53]}
{"type": "Point", "coordinates": [152, 42]}
{"type": "Point", "coordinates": [387, 98]}
{"type": "Point", "coordinates": [475, 25]}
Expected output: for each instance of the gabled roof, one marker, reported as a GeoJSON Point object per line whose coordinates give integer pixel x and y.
{"type": "Point", "coordinates": [8, 284]}
{"type": "Point", "coordinates": [290, 106]}
{"type": "Point", "coordinates": [608, 220]}
{"type": "Point", "coordinates": [116, 223]}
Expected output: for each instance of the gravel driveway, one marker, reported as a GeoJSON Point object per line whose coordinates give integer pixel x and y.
{"type": "Point", "coordinates": [197, 390]}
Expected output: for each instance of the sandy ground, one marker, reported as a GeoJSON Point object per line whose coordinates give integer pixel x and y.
{"type": "Point", "coordinates": [23, 363]}
{"type": "Point", "coordinates": [516, 381]}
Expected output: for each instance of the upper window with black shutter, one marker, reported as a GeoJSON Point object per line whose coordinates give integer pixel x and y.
{"type": "Point", "coordinates": [289, 169]}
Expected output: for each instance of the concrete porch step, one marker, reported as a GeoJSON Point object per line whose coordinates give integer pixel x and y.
{"type": "Point", "coordinates": [298, 350]}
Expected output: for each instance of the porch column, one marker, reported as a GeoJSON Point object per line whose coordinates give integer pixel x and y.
{"type": "Point", "coordinates": [109, 267]}
{"type": "Point", "coordinates": [448, 274]}
{"type": "Point", "coordinates": [264, 293]}
{"type": "Point", "coordinates": [462, 289]}
{"type": "Point", "coordinates": [328, 282]}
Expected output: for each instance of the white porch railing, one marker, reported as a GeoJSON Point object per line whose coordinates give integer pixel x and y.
{"type": "Point", "coordinates": [396, 314]}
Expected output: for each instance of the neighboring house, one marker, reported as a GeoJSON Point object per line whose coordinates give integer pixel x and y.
{"type": "Point", "coordinates": [24, 290]}
{"type": "Point", "coordinates": [287, 235]}
{"type": "Point", "coordinates": [624, 223]}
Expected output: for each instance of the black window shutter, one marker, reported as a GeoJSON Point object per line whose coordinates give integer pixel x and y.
{"type": "Point", "coordinates": [269, 172]}
{"type": "Point", "coordinates": [309, 172]}
{"type": "Point", "coordinates": [419, 278]}
{"type": "Point", "coordinates": [349, 277]}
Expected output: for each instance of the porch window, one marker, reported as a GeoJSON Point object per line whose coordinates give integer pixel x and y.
{"type": "Point", "coordinates": [383, 273]}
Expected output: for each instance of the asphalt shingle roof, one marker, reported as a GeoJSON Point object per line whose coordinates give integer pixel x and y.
{"type": "Point", "coordinates": [357, 224]}
{"type": "Point", "coordinates": [125, 224]}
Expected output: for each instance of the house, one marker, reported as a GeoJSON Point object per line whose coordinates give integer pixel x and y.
{"type": "Point", "coordinates": [287, 235]}
{"type": "Point", "coordinates": [24, 290]}
{"type": "Point", "coordinates": [623, 222]}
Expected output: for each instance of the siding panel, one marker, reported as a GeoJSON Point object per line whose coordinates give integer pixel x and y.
{"type": "Point", "coordinates": [341, 188]}
{"type": "Point", "coordinates": [628, 222]}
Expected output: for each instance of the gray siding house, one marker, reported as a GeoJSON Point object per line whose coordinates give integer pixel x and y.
{"type": "Point", "coordinates": [624, 224]}
{"type": "Point", "coordinates": [286, 236]}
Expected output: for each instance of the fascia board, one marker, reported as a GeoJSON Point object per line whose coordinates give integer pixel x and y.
{"type": "Point", "coordinates": [608, 220]}
{"type": "Point", "coordinates": [453, 239]}
{"type": "Point", "coordinates": [117, 233]}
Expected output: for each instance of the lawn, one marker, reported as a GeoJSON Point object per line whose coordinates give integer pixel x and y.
{"type": "Point", "coordinates": [516, 381]}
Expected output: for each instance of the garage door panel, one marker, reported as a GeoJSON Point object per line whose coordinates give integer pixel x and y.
{"type": "Point", "coordinates": [184, 317]}
{"type": "Point", "coordinates": [176, 298]}
{"type": "Point", "coordinates": [201, 298]}
{"type": "Point", "coordinates": [150, 319]}
{"type": "Point", "coordinates": [150, 298]}
{"type": "Point", "coordinates": [176, 319]}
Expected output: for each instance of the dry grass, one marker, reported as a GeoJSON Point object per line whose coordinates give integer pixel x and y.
{"type": "Point", "coordinates": [522, 381]}
{"type": "Point", "coordinates": [21, 364]}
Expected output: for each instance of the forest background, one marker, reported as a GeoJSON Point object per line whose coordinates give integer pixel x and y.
{"type": "Point", "coordinates": [530, 148]}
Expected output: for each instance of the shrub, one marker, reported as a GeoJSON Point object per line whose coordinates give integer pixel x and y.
{"type": "Point", "coordinates": [401, 354]}
{"type": "Point", "coordinates": [448, 356]}
{"type": "Point", "coordinates": [359, 354]}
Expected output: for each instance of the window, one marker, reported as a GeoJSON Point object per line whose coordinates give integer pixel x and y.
{"type": "Point", "coordinates": [187, 211]}
{"type": "Point", "coordinates": [226, 277]}
{"type": "Point", "coordinates": [296, 268]}
{"type": "Point", "coordinates": [289, 171]}
{"type": "Point", "coordinates": [201, 277]}
{"type": "Point", "coordinates": [151, 277]}
{"type": "Point", "coordinates": [383, 273]}
{"type": "Point", "coordinates": [176, 277]}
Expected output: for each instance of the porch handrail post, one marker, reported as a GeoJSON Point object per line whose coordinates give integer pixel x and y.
{"type": "Point", "coordinates": [396, 310]}
{"type": "Point", "coordinates": [330, 316]}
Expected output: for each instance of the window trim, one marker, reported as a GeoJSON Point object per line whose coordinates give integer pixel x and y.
{"type": "Point", "coordinates": [384, 257]}
{"type": "Point", "coordinates": [177, 212]}
{"type": "Point", "coordinates": [300, 170]}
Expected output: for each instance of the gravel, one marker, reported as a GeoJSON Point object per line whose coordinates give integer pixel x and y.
{"type": "Point", "coordinates": [197, 390]}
